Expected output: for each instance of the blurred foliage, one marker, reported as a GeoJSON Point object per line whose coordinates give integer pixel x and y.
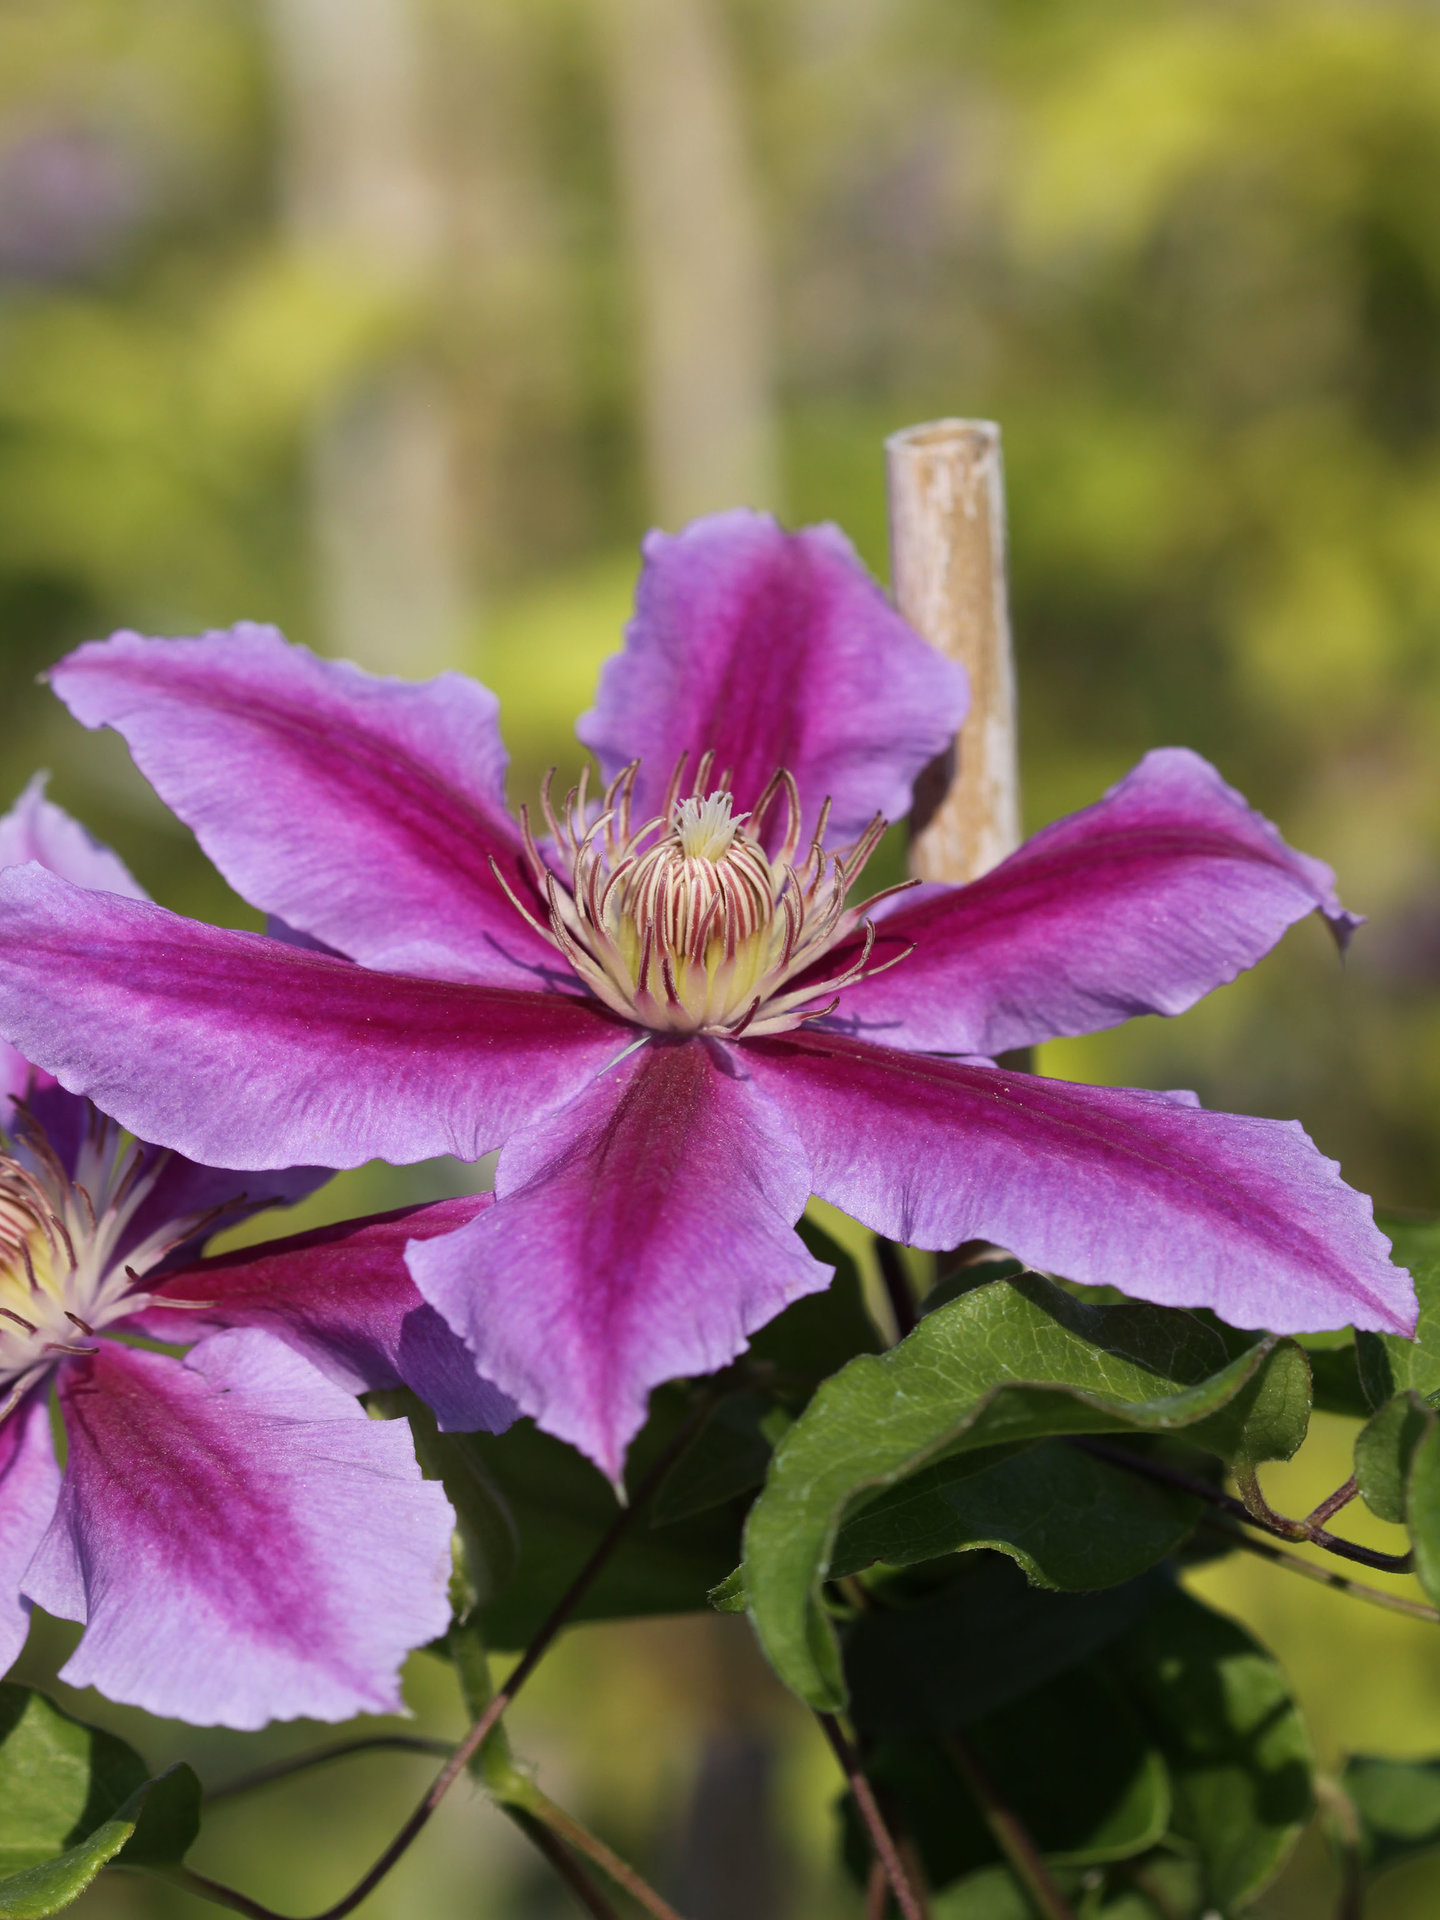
{"type": "Point", "coordinates": [1188, 252]}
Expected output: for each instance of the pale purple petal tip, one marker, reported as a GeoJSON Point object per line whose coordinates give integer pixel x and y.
{"type": "Point", "coordinates": [1163, 890]}
{"type": "Point", "coordinates": [773, 649]}
{"type": "Point", "coordinates": [243, 1544]}
{"type": "Point", "coordinates": [1103, 1185]}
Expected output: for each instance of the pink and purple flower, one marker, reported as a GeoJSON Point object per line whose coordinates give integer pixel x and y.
{"type": "Point", "coordinates": [241, 1542]}
{"type": "Point", "coordinates": [665, 1010]}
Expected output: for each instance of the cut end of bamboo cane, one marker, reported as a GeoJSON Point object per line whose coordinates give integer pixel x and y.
{"type": "Point", "coordinates": [946, 487]}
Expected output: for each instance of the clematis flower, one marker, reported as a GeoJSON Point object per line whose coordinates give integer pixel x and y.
{"type": "Point", "coordinates": [665, 1011]}
{"type": "Point", "coordinates": [241, 1542]}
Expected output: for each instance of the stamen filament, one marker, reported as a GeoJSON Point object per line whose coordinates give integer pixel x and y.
{"type": "Point", "coordinates": [685, 923]}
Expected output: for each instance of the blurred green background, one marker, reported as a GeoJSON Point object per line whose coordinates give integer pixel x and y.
{"type": "Point", "coordinates": [397, 322]}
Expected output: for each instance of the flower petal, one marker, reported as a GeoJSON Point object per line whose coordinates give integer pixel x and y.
{"type": "Point", "coordinates": [774, 649]}
{"type": "Point", "coordinates": [361, 809]}
{"type": "Point", "coordinates": [343, 1297]}
{"type": "Point", "coordinates": [1136, 1190]}
{"type": "Point", "coordinates": [29, 1488]}
{"type": "Point", "coordinates": [1168, 887]}
{"type": "Point", "coordinates": [36, 829]}
{"type": "Point", "coordinates": [242, 1542]}
{"type": "Point", "coordinates": [241, 1051]}
{"type": "Point", "coordinates": [641, 1234]}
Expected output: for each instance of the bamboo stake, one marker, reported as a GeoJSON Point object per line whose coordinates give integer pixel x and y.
{"type": "Point", "coordinates": [947, 562]}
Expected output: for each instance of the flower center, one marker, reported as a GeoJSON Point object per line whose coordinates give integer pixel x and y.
{"type": "Point", "coordinates": [45, 1302]}
{"type": "Point", "coordinates": [685, 924]}
{"type": "Point", "coordinates": [71, 1262]}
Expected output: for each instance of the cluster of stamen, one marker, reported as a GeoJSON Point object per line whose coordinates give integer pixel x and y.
{"type": "Point", "coordinates": [684, 923]}
{"type": "Point", "coordinates": [62, 1275]}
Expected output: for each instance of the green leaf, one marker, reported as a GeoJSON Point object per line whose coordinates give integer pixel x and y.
{"type": "Point", "coordinates": [72, 1799]}
{"type": "Point", "coordinates": [991, 1894]}
{"type": "Point", "coordinates": [1009, 1363]}
{"type": "Point", "coordinates": [485, 1543]}
{"type": "Point", "coordinates": [1397, 1803]}
{"type": "Point", "coordinates": [1422, 1506]}
{"type": "Point", "coordinates": [1384, 1451]}
{"type": "Point", "coordinates": [726, 1458]}
{"type": "Point", "coordinates": [985, 1639]}
{"type": "Point", "coordinates": [1397, 1466]}
{"type": "Point", "coordinates": [487, 1539]}
{"type": "Point", "coordinates": [1157, 1886]}
{"type": "Point", "coordinates": [816, 1335]}
{"type": "Point", "coordinates": [562, 1505]}
{"type": "Point", "coordinates": [1389, 1364]}
{"type": "Point", "coordinates": [154, 1828]}
{"type": "Point", "coordinates": [1240, 1760]}
{"type": "Point", "coordinates": [978, 1273]}
{"type": "Point", "coordinates": [1153, 1886]}
{"type": "Point", "coordinates": [1068, 1519]}
{"type": "Point", "coordinates": [729, 1596]}
{"type": "Point", "coordinates": [166, 1812]}
{"type": "Point", "coordinates": [1335, 1374]}
{"type": "Point", "coordinates": [1071, 1760]}
{"type": "Point", "coordinates": [59, 1779]}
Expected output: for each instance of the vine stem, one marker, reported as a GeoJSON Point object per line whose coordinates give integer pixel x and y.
{"type": "Point", "coordinates": [545, 1825]}
{"type": "Point", "coordinates": [1292, 1563]}
{"type": "Point", "coordinates": [1342, 1828]}
{"type": "Point", "coordinates": [537, 1806]}
{"type": "Point", "coordinates": [1260, 1515]}
{"type": "Point", "coordinates": [877, 1890]}
{"type": "Point", "coordinates": [207, 1889]}
{"type": "Point", "coordinates": [563, 1863]}
{"type": "Point", "coordinates": [321, 1756]}
{"type": "Point", "coordinates": [1011, 1836]}
{"type": "Point", "coordinates": [886, 1852]}
{"type": "Point", "coordinates": [1333, 1502]}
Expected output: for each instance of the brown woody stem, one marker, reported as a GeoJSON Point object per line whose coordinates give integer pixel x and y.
{"type": "Point", "coordinates": [322, 1756]}
{"type": "Point", "coordinates": [1325, 1576]}
{"type": "Point", "coordinates": [1010, 1834]}
{"type": "Point", "coordinates": [1253, 1511]}
{"type": "Point", "coordinates": [565, 1828]}
{"type": "Point", "coordinates": [866, 1805]}
{"type": "Point", "coordinates": [563, 1863]}
{"type": "Point", "coordinates": [1332, 1503]}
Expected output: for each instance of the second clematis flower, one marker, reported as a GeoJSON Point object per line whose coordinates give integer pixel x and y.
{"type": "Point", "coordinates": [665, 1009]}
{"type": "Point", "coordinates": [241, 1543]}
